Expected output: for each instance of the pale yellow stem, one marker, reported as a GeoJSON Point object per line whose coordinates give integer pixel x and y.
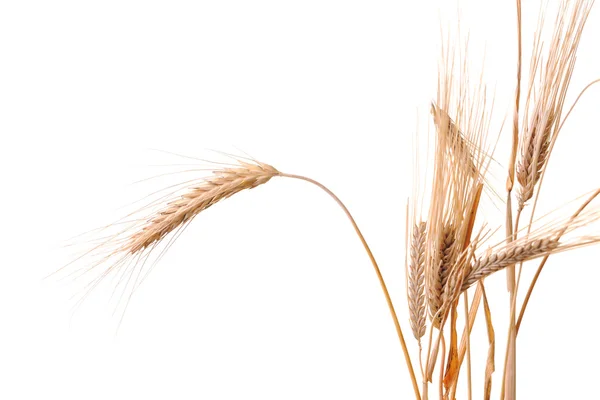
{"type": "Point", "coordinates": [377, 271]}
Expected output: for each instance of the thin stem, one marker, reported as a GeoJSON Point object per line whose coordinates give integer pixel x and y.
{"type": "Point", "coordinates": [510, 355]}
{"type": "Point", "coordinates": [530, 290]}
{"type": "Point", "coordinates": [441, 387]}
{"type": "Point", "coordinates": [463, 341]}
{"type": "Point", "coordinates": [468, 330]}
{"type": "Point", "coordinates": [425, 390]}
{"type": "Point", "coordinates": [510, 271]}
{"type": "Point", "coordinates": [377, 271]}
{"type": "Point", "coordinates": [510, 274]}
{"type": "Point", "coordinates": [510, 359]}
{"type": "Point", "coordinates": [421, 358]}
{"type": "Point", "coordinates": [429, 368]}
{"type": "Point", "coordinates": [515, 137]}
{"type": "Point", "coordinates": [543, 262]}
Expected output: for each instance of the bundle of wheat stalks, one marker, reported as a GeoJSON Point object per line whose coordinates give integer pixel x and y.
{"type": "Point", "coordinates": [449, 253]}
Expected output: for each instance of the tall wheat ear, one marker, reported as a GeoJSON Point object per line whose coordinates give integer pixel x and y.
{"type": "Point", "coordinates": [462, 155]}
{"type": "Point", "coordinates": [416, 281]}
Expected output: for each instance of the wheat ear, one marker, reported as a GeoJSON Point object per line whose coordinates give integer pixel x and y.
{"type": "Point", "coordinates": [128, 250]}
{"type": "Point", "coordinates": [223, 184]}
{"type": "Point", "coordinates": [496, 261]}
{"type": "Point", "coordinates": [416, 281]}
{"type": "Point", "coordinates": [544, 241]}
{"type": "Point", "coordinates": [447, 253]}
{"type": "Point", "coordinates": [439, 276]}
{"type": "Point", "coordinates": [542, 119]}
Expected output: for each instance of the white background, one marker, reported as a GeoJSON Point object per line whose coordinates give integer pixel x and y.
{"type": "Point", "coordinates": [268, 295]}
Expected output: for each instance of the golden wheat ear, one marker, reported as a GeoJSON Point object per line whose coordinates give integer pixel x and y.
{"type": "Point", "coordinates": [224, 183]}
{"type": "Point", "coordinates": [139, 242]}
{"type": "Point", "coordinates": [548, 84]}
{"type": "Point", "coordinates": [416, 280]}
{"type": "Point", "coordinates": [132, 246]}
{"type": "Point", "coordinates": [547, 239]}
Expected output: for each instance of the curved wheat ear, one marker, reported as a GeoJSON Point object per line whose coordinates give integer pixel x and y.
{"type": "Point", "coordinates": [223, 184]}
{"type": "Point", "coordinates": [128, 250]}
{"type": "Point", "coordinates": [416, 280]}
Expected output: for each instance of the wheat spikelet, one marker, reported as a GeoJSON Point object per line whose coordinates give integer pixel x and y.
{"type": "Point", "coordinates": [416, 280]}
{"type": "Point", "coordinates": [223, 184]}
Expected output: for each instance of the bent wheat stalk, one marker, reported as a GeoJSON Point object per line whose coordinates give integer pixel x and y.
{"type": "Point", "coordinates": [379, 277]}
{"type": "Point", "coordinates": [136, 243]}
